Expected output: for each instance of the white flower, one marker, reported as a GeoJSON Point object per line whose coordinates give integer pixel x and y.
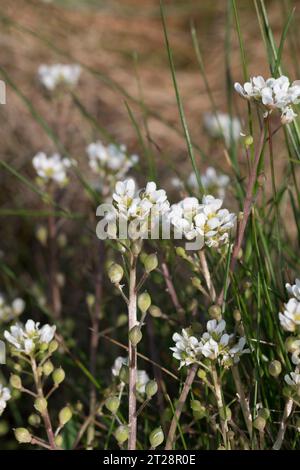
{"type": "Point", "coordinates": [142, 376]}
{"type": "Point", "coordinates": [182, 216]}
{"type": "Point", "coordinates": [53, 168]}
{"type": "Point", "coordinates": [296, 352]}
{"type": "Point", "coordinates": [214, 340]}
{"type": "Point", "coordinates": [110, 162]}
{"type": "Point", "coordinates": [290, 318]}
{"type": "Point", "coordinates": [51, 76]}
{"type": "Point", "coordinates": [4, 397]}
{"type": "Point", "coordinates": [293, 379]}
{"type": "Point", "coordinates": [222, 125]}
{"type": "Point", "coordinates": [236, 351]}
{"type": "Point", "coordinates": [273, 93]}
{"type": "Point", "coordinates": [28, 338]}
{"type": "Point", "coordinates": [10, 312]}
{"type": "Point", "coordinates": [187, 348]}
{"type": "Point", "coordinates": [294, 290]}
{"type": "Point", "coordinates": [212, 182]}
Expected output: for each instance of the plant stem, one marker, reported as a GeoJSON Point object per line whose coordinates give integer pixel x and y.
{"type": "Point", "coordinates": [132, 321]}
{"type": "Point", "coordinates": [172, 291]}
{"type": "Point", "coordinates": [221, 405]}
{"type": "Point", "coordinates": [45, 414]}
{"type": "Point", "coordinates": [283, 424]}
{"type": "Point", "coordinates": [207, 276]}
{"type": "Point", "coordinates": [182, 399]}
{"type": "Point", "coordinates": [243, 402]}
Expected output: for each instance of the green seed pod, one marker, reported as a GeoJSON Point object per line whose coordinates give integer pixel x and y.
{"type": "Point", "coordinates": [42, 235]}
{"type": "Point", "coordinates": [264, 413]}
{"type": "Point", "coordinates": [150, 263]}
{"type": "Point", "coordinates": [115, 273]}
{"type": "Point", "coordinates": [121, 434]}
{"type": "Point", "coordinates": [136, 247]}
{"type": "Point", "coordinates": [180, 252]}
{"type": "Point", "coordinates": [48, 368]}
{"type": "Point", "coordinates": [59, 440]}
{"type": "Point", "coordinates": [144, 302]}
{"type": "Point", "coordinates": [41, 405]}
{"type": "Point", "coordinates": [155, 311]}
{"type": "Point", "coordinates": [90, 300]}
{"type": "Point", "coordinates": [259, 423]}
{"type": "Point", "coordinates": [135, 335]}
{"type": "Point", "coordinates": [215, 312]}
{"type": "Point", "coordinates": [196, 405]}
{"type": "Point", "coordinates": [196, 282]}
{"type": "Point", "coordinates": [112, 404]}
{"type": "Point", "coordinates": [34, 420]}
{"type": "Point", "coordinates": [291, 344]}
{"type": "Point", "coordinates": [225, 414]}
{"type": "Point", "coordinates": [15, 381]}
{"type": "Point", "coordinates": [53, 346]}
{"type": "Point", "coordinates": [64, 415]}
{"type": "Point", "coordinates": [22, 435]}
{"type": "Point", "coordinates": [156, 437]}
{"type": "Point", "coordinates": [248, 141]}
{"type": "Point", "coordinates": [201, 374]}
{"type": "Point", "coordinates": [237, 315]}
{"type": "Point", "coordinates": [151, 388]}
{"type": "Point", "coordinates": [275, 368]}
{"type": "Point", "coordinates": [58, 376]}
{"type": "Point", "coordinates": [122, 319]}
{"type": "Point", "coordinates": [124, 374]}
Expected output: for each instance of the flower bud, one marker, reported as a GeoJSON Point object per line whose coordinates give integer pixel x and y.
{"type": "Point", "coordinates": [122, 319]}
{"type": "Point", "coordinates": [34, 420]}
{"type": "Point", "coordinates": [259, 423]}
{"type": "Point", "coordinates": [48, 368]}
{"type": "Point", "coordinates": [59, 440]}
{"type": "Point", "coordinates": [248, 141]}
{"type": "Point", "coordinates": [144, 301]}
{"type": "Point", "coordinates": [150, 262]}
{"type": "Point", "coordinates": [64, 415]}
{"type": "Point", "coordinates": [22, 435]}
{"type": "Point", "coordinates": [124, 374]}
{"type": "Point", "coordinates": [155, 311]}
{"type": "Point", "coordinates": [151, 388]}
{"type": "Point", "coordinates": [15, 381]}
{"type": "Point", "coordinates": [41, 405]}
{"type": "Point", "coordinates": [291, 344]}
{"type": "Point", "coordinates": [196, 282]}
{"type": "Point", "coordinates": [275, 368]}
{"type": "Point", "coordinates": [112, 404]}
{"type": "Point", "coordinates": [58, 376]}
{"type": "Point", "coordinates": [136, 247]}
{"type": "Point", "coordinates": [156, 437]}
{"type": "Point", "coordinates": [115, 273]}
{"type": "Point", "coordinates": [215, 312]}
{"type": "Point", "coordinates": [121, 434]}
{"type": "Point", "coordinates": [53, 346]}
{"type": "Point", "coordinates": [135, 335]}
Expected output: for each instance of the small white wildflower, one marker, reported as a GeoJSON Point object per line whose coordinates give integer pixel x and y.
{"type": "Point", "coordinates": [28, 338]}
{"type": "Point", "coordinates": [182, 216]}
{"type": "Point", "coordinates": [296, 352]}
{"type": "Point", "coordinates": [142, 376]}
{"type": "Point", "coordinates": [187, 348]}
{"type": "Point", "coordinates": [214, 340]}
{"type": "Point", "coordinates": [212, 182]}
{"type": "Point", "coordinates": [10, 312]}
{"type": "Point", "coordinates": [52, 168]}
{"type": "Point", "coordinates": [290, 318]}
{"type": "Point", "coordinates": [293, 379]}
{"type": "Point", "coordinates": [5, 395]}
{"type": "Point", "coordinates": [52, 76]}
{"type": "Point", "coordinates": [18, 306]}
{"type": "Point", "coordinates": [294, 290]}
{"type": "Point", "coordinates": [222, 125]}
{"type": "Point", "coordinates": [273, 93]}
{"type": "Point", "coordinates": [117, 366]}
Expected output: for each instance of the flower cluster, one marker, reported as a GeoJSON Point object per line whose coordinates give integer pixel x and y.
{"type": "Point", "coordinates": [221, 125]}
{"type": "Point", "coordinates": [290, 318]}
{"type": "Point", "coordinates": [293, 380]}
{"type": "Point", "coordinates": [51, 76]}
{"type": "Point", "coordinates": [273, 93]}
{"type": "Point", "coordinates": [52, 168]}
{"type": "Point", "coordinates": [110, 163]}
{"type": "Point", "coordinates": [143, 208]}
{"type": "Point", "coordinates": [4, 397]}
{"type": "Point", "coordinates": [215, 344]}
{"type": "Point", "coordinates": [142, 376]}
{"type": "Point", "coordinates": [206, 220]}
{"type": "Point", "coordinates": [212, 182]}
{"type": "Point", "coordinates": [8, 311]}
{"type": "Point", "coordinates": [29, 338]}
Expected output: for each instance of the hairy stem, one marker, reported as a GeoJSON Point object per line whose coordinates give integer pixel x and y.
{"type": "Point", "coordinates": [243, 402]}
{"type": "Point", "coordinates": [207, 276]}
{"type": "Point", "coordinates": [283, 424]}
{"type": "Point", "coordinates": [221, 405]}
